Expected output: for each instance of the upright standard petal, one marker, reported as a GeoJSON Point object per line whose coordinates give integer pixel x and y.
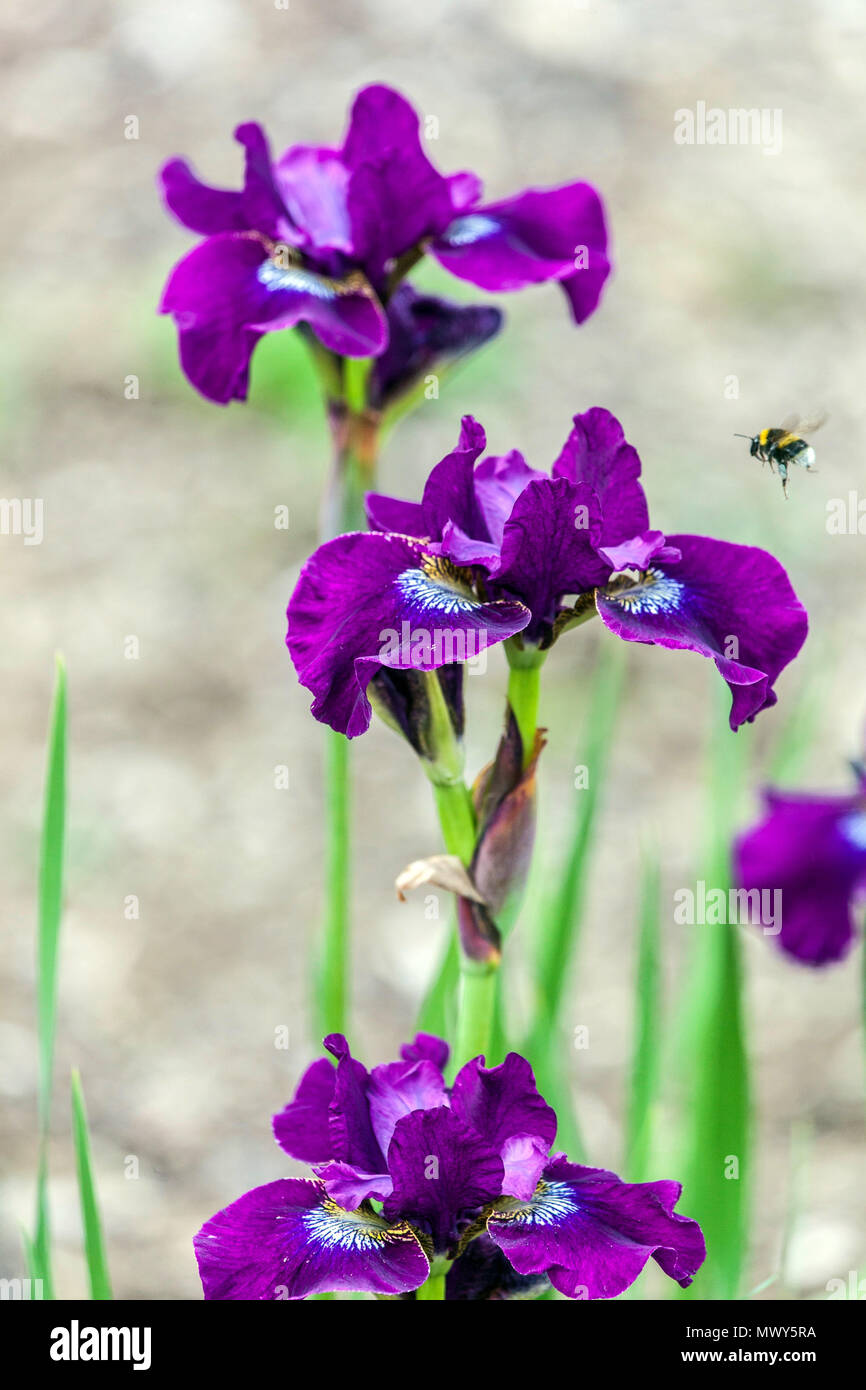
{"type": "Point", "coordinates": [263, 206]}
{"type": "Point", "coordinates": [498, 484]}
{"type": "Point", "coordinates": [732, 603]}
{"type": "Point", "coordinates": [502, 1102]}
{"type": "Point", "coordinates": [398, 1088]}
{"type": "Point", "coordinates": [449, 493]}
{"type": "Point", "coordinates": [550, 549]}
{"type": "Point", "coordinates": [426, 1046]}
{"type": "Point", "coordinates": [350, 1123]}
{"type": "Point", "coordinates": [289, 1240]}
{"type": "Point", "coordinates": [807, 856]}
{"type": "Point", "coordinates": [368, 600]}
{"type": "Point", "coordinates": [396, 198]}
{"type": "Point", "coordinates": [198, 206]}
{"type": "Point", "coordinates": [313, 183]}
{"type": "Point", "coordinates": [596, 452]}
{"type": "Point", "coordinates": [302, 1129]}
{"type": "Point", "coordinates": [593, 1233]}
{"type": "Point", "coordinates": [539, 235]}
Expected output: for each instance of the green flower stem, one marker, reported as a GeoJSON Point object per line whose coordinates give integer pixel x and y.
{"type": "Point", "coordinates": [477, 979]}
{"type": "Point", "coordinates": [457, 818]}
{"type": "Point", "coordinates": [355, 434]}
{"type": "Point", "coordinates": [524, 688]}
{"type": "Point", "coordinates": [476, 1009]}
{"type": "Point", "coordinates": [333, 966]}
{"type": "Point", "coordinates": [434, 1288]}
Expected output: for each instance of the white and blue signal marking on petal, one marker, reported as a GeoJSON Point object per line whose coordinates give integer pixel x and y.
{"type": "Point", "coordinates": [436, 588]}
{"type": "Point", "coordinates": [853, 828]}
{"type": "Point", "coordinates": [655, 593]}
{"type": "Point", "coordinates": [550, 1205]}
{"type": "Point", "coordinates": [466, 231]}
{"type": "Point", "coordinates": [334, 1228]}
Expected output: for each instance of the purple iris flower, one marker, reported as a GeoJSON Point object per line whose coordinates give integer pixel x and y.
{"type": "Point", "coordinates": [811, 850]}
{"type": "Point", "coordinates": [412, 1175]}
{"type": "Point", "coordinates": [503, 549]}
{"type": "Point", "coordinates": [322, 236]}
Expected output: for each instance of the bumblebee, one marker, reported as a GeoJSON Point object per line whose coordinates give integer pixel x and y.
{"type": "Point", "coordinates": [786, 445]}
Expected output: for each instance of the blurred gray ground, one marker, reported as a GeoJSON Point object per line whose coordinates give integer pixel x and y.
{"type": "Point", "coordinates": [159, 525]}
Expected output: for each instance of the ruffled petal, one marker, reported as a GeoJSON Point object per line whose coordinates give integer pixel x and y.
{"type": "Point", "coordinates": [449, 493]}
{"type": "Point", "coordinates": [313, 184]}
{"type": "Point", "coordinates": [637, 553]}
{"type": "Point", "coordinates": [353, 1139]}
{"type": "Point", "coordinates": [368, 600]}
{"type": "Point", "coordinates": [289, 1240]}
{"type": "Point", "coordinates": [398, 1088]}
{"type": "Point", "coordinates": [350, 1186]}
{"type": "Point", "coordinates": [426, 1046]}
{"type": "Point", "coordinates": [549, 549]}
{"type": "Point", "coordinates": [525, 1157]}
{"type": "Point", "coordinates": [498, 484]}
{"type": "Point", "coordinates": [263, 207]}
{"type": "Point", "coordinates": [732, 603]}
{"type": "Point", "coordinates": [807, 860]}
{"type": "Point", "coordinates": [392, 514]}
{"type": "Point", "coordinates": [395, 195]}
{"type": "Point", "coordinates": [302, 1129]}
{"type": "Point", "coordinates": [449, 502]}
{"type": "Point", "coordinates": [539, 235]}
{"type": "Point", "coordinates": [228, 290]}
{"type": "Point", "coordinates": [502, 1102]}
{"type": "Point", "coordinates": [593, 1233]}
{"type": "Point", "coordinates": [198, 206]}
{"type": "Point", "coordinates": [597, 453]}
{"type": "Point", "coordinates": [441, 1171]}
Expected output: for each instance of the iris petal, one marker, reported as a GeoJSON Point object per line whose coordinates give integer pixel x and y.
{"type": "Point", "coordinates": [228, 290]}
{"type": "Point", "coordinates": [810, 850]}
{"type": "Point", "coordinates": [593, 1233]}
{"type": "Point", "coordinates": [289, 1240]}
{"type": "Point", "coordinates": [731, 603]}
{"type": "Point", "coordinates": [368, 600]}
{"type": "Point", "coordinates": [539, 235]}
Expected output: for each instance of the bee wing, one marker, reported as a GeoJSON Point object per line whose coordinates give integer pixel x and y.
{"type": "Point", "coordinates": [805, 424]}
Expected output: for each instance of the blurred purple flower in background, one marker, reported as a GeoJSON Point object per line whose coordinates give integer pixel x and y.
{"type": "Point", "coordinates": [812, 850]}
{"type": "Point", "coordinates": [415, 1177]}
{"type": "Point", "coordinates": [324, 236]}
{"type": "Point", "coordinates": [426, 333]}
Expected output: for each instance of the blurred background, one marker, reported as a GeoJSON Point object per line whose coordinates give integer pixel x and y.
{"type": "Point", "coordinates": [737, 297]}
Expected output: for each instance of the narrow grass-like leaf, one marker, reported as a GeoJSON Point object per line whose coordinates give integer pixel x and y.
{"type": "Point", "coordinates": [799, 727]}
{"type": "Point", "coordinates": [94, 1245]}
{"type": "Point", "coordinates": [438, 1012]}
{"type": "Point", "coordinates": [764, 1284]}
{"type": "Point", "coordinates": [718, 1167]}
{"type": "Point", "coordinates": [51, 865]}
{"type": "Point", "coordinates": [36, 1284]}
{"type": "Point", "coordinates": [645, 1067]}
